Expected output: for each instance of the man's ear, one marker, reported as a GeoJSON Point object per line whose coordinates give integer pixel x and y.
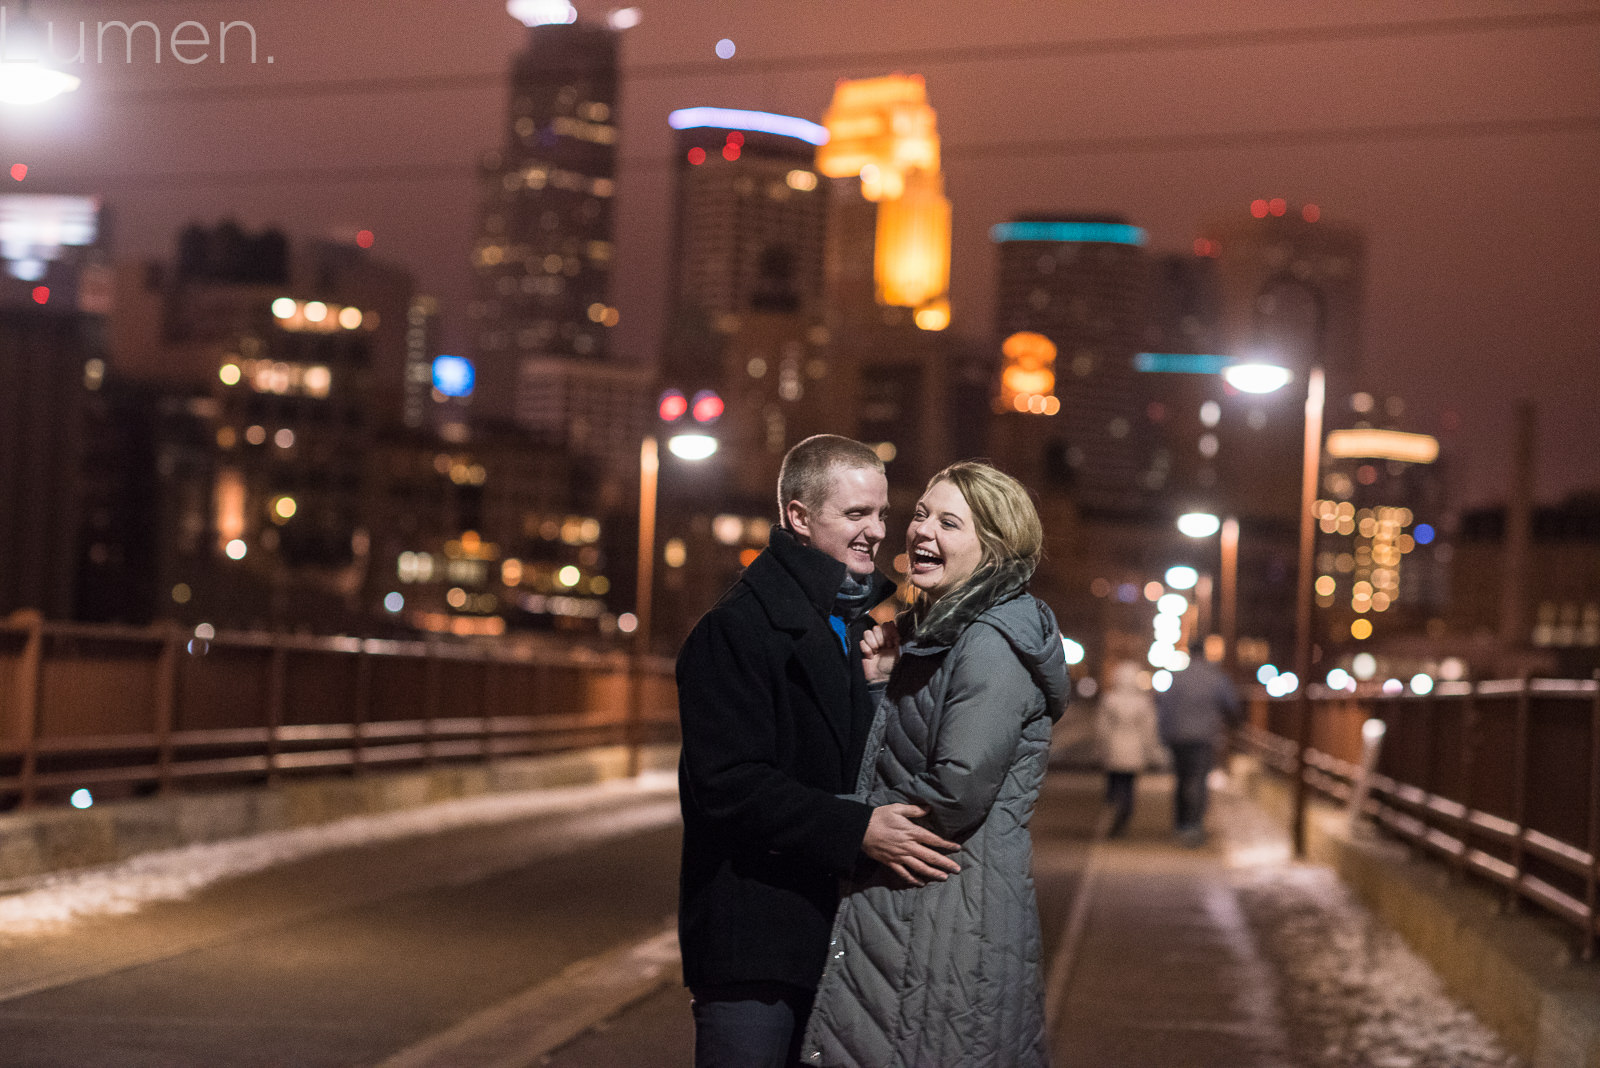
{"type": "Point", "coordinates": [799, 520]}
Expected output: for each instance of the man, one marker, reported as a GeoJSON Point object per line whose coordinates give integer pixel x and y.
{"type": "Point", "coordinates": [775, 712]}
{"type": "Point", "coordinates": [1194, 711]}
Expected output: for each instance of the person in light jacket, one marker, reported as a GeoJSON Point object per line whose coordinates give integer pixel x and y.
{"type": "Point", "coordinates": [947, 973]}
{"type": "Point", "coordinates": [1125, 725]}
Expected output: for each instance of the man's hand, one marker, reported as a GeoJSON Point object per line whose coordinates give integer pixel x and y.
{"type": "Point", "coordinates": [910, 851]}
{"type": "Point", "coordinates": [880, 651]}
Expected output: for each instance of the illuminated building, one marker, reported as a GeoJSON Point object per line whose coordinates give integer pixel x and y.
{"type": "Point", "coordinates": [747, 289]}
{"type": "Point", "coordinates": [1291, 285]}
{"type": "Point", "coordinates": [750, 213]}
{"type": "Point", "coordinates": [543, 252]}
{"type": "Point", "coordinates": [54, 292]}
{"type": "Point", "coordinates": [1081, 282]}
{"type": "Point", "coordinates": [882, 131]}
{"type": "Point", "coordinates": [488, 535]}
{"type": "Point", "coordinates": [1562, 592]}
{"type": "Point", "coordinates": [1380, 511]}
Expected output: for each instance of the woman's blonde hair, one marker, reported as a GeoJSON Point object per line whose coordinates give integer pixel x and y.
{"type": "Point", "coordinates": [1007, 523]}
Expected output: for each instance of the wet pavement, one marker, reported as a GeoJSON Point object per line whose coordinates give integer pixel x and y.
{"type": "Point", "coordinates": [541, 942]}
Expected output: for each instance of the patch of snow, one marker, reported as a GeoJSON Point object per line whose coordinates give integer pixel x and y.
{"type": "Point", "coordinates": [1352, 987]}
{"type": "Point", "coordinates": [171, 874]}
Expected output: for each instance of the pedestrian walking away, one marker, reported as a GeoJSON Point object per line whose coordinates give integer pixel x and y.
{"type": "Point", "coordinates": [775, 712]}
{"type": "Point", "coordinates": [1129, 741]}
{"type": "Point", "coordinates": [1194, 712]}
{"type": "Point", "coordinates": [947, 973]}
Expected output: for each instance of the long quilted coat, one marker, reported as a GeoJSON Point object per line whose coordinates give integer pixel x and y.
{"type": "Point", "coordinates": [948, 975]}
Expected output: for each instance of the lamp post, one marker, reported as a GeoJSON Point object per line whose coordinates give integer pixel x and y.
{"type": "Point", "coordinates": [692, 446]}
{"type": "Point", "coordinates": [1203, 525]}
{"type": "Point", "coordinates": [1310, 466]}
{"type": "Point", "coordinates": [1267, 378]}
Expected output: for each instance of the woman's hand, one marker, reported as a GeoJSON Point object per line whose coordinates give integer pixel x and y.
{"type": "Point", "coordinates": [880, 651]}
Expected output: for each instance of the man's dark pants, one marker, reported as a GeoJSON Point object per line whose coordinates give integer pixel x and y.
{"type": "Point", "coordinates": [749, 1025]}
{"type": "Point", "coordinates": [1191, 764]}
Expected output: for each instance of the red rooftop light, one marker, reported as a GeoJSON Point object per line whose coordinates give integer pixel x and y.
{"type": "Point", "coordinates": [672, 406]}
{"type": "Point", "coordinates": [697, 155]}
{"type": "Point", "coordinates": [41, 294]}
{"type": "Point", "coordinates": [735, 138]}
{"type": "Point", "coordinates": [708, 407]}
{"type": "Point", "coordinates": [730, 151]}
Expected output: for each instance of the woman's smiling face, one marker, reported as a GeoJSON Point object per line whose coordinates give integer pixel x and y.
{"type": "Point", "coordinates": [942, 541]}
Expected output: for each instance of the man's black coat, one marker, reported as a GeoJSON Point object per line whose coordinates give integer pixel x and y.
{"type": "Point", "coordinates": [774, 716]}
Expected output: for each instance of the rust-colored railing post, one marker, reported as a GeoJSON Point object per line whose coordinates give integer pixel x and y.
{"type": "Point", "coordinates": [1591, 934]}
{"type": "Point", "coordinates": [1469, 751]}
{"type": "Point", "coordinates": [486, 746]}
{"type": "Point", "coordinates": [30, 704]}
{"type": "Point", "coordinates": [432, 695]}
{"type": "Point", "coordinates": [277, 687]}
{"type": "Point", "coordinates": [166, 704]}
{"type": "Point", "coordinates": [1519, 802]}
{"type": "Point", "coordinates": [361, 711]}
{"type": "Point", "coordinates": [633, 714]}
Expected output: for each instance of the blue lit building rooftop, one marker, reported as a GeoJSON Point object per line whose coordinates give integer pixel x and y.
{"type": "Point", "coordinates": [753, 121]}
{"type": "Point", "coordinates": [1088, 231]}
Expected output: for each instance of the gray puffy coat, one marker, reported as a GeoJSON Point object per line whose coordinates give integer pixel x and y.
{"type": "Point", "coordinates": [948, 975]}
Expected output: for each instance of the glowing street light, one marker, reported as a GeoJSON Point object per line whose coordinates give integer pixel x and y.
{"type": "Point", "coordinates": [1182, 577]}
{"type": "Point", "coordinates": [692, 446]}
{"type": "Point", "coordinates": [1256, 377]}
{"type": "Point", "coordinates": [28, 84]}
{"type": "Point", "coordinates": [1198, 524]}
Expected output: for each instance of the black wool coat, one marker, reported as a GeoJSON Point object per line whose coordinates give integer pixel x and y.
{"type": "Point", "coordinates": [775, 716]}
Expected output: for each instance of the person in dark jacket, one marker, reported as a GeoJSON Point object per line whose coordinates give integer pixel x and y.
{"type": "Point", "coordinates": [947, 975]}
{"type": "Point", "coordinates": [775, 713]}
{"type": "Point", "coordinates": [1194, 711]}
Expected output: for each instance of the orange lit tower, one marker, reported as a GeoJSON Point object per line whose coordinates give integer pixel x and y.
{"type": "Point", "coordinates": [883, 131]}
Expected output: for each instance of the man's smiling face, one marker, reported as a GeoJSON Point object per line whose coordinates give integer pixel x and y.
{"type": "Point", "coordinates": [849, 524]}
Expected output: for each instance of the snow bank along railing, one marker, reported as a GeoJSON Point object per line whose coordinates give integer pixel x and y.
{"type": "Point", "coordinates": [124, 711]}
{"type": "Point", "coordinates": [1501, 779]}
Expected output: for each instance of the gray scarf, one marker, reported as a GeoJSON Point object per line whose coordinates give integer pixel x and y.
{"type": "Point", "coordinates": [851, 599]}
{"type": "Point", "coordinates": [942, 622]}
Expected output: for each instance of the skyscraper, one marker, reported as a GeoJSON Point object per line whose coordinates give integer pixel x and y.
{"type": "Point", "coordinates": [746, 316]}
{"type": "Point", "coordinates": [1082, 282]}
{"type": "Point", "coordinates": [543, 253]}
{"type": "Point", "coordinates": [51, 356]}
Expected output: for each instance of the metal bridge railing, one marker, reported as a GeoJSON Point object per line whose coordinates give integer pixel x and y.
{"type": "Point", "coordinates": [126, 710]}
{"type": "Point", "coordinates": [1499, 778]}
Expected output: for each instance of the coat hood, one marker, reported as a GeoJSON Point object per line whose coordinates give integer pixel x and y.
{"type": "Point", "coordinates": [1029, 625]}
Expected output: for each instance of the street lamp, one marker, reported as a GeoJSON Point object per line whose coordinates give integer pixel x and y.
{"type": "Point", "coordinates": [1267, 378]}
{"type": "Point", "coordinates": [26, 81]}
{"type": "Point", "coordinates": [1203, 525]}
{"type": "Point", "coordinates": [692, 445]}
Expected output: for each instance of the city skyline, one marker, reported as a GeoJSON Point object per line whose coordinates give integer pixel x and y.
{"type": "Point", "coordinates": [1456, 139]}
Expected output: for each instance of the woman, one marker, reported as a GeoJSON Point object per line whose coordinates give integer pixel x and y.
{"type": "Point", "coordinates": [1126, 728]}
{"type": "Point", "coordinates": [947, 975]}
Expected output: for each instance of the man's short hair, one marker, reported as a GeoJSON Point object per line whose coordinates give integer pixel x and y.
{"type": "Point", "coordinates": [808, 468]}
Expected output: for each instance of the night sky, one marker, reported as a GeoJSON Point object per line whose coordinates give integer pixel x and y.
{"type": "Point", "coordinates": [1464, 138]}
